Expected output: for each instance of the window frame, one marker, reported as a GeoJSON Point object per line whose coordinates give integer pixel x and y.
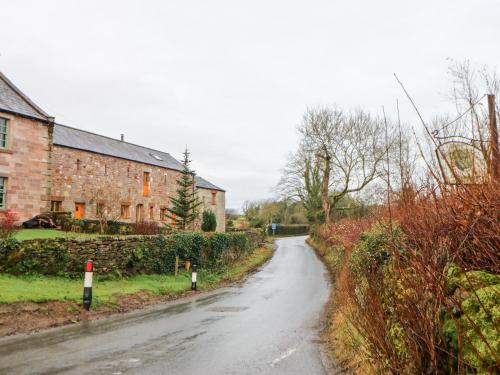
{"type": "Point", "coordinates": [146, 184]}
{"type": "Point", "coordinates": [3, 192]}
{"type": "Point", "coordinates": [127, 211]}
{"type": "Point", "coordinates": [55, 206]}
{"type": "Point", "coordinates": [4, 136]}
{"type": "Point", "coordinates": [163, 214]}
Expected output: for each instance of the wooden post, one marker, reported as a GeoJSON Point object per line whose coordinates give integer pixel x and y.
{"type": "Point", "coordinates": [494, 162]}
{"type": "Point", "coordinates": [176, 265]}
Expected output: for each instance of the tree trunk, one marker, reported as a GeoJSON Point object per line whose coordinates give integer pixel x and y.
{"type": "Point", "coordinates": [324, 190]}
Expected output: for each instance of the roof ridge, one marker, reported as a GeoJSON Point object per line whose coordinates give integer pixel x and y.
{"type": "Point", "coordinates": [116, 140]}
{"type": "Point", "coordinates": [24, 96]}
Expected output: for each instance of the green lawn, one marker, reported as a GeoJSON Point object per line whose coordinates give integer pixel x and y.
{"type": "Point", "coordinates": [30, 234]}
{"type": "Point", "coordinates": [47, 288]}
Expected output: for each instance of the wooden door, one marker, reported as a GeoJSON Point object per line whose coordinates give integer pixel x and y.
{"type": "Point", "coordinates": [79, 210]}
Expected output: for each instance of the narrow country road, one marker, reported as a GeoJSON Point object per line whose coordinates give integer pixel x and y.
{"type": "Point", "coordinates": [268, 325]}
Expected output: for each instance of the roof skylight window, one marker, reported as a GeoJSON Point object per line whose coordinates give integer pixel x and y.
{"type": "Point", "coordinates": [156, 157]}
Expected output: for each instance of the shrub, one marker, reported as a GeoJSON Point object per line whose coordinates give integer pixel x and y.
{"type": "Point", "coordinates": [209, 221]}
{"type": "Point", "coordinates": [373, 250]}
{"type": "Point", "coordinates": [8, 225]}
{"type": "Point", "coordinates": [422, 292]}
{"type": "Point", "coordinates": [145, 228]}
{"type": "Point", "coordinates": [62, 219]}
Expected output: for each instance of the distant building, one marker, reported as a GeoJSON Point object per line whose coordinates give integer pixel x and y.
{"type": "Point", "coordinates": [45, 166]}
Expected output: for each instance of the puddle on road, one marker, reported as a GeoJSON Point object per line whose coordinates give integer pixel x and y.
{"type": "Point", "coordinates": [204, 301]}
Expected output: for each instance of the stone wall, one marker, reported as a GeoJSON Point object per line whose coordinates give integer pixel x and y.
{"type": "Point", "coordinates": [219, 208]}
{"type": "Point", "coordinates": [124, 255]}
{"type": "Point", "coordinates": [85, 177]}
{"type": "Point", "coordinates": [26, 164]}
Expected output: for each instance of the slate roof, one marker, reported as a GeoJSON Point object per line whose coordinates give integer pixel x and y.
{"type": "Point", "coordinates": [82, 140]}
{"type": "Point", "coordinates": [13, 100]}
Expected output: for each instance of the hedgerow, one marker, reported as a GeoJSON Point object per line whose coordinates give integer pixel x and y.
{"type": "Point", "coordinates": [124, 255]}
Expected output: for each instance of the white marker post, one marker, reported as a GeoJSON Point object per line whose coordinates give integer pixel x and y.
{"type": "Point", "coordinates": [87, 285]}
{"type": "Point", "coordinates": [194, 274]}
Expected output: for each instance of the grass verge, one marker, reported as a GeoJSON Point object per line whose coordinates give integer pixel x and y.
{"type": "Point", "coordinates": [341, 338]}
{"type": "Point", "coordinates": [30, 303]}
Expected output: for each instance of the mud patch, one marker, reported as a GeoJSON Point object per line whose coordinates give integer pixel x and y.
{"type": "Point", "coordinates": [26, 317]}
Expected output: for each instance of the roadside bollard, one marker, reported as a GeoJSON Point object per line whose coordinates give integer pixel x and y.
{"type": "Point", "coordinates": [193, 277]}
{"type": "Point", "coordinates": [87, 285]}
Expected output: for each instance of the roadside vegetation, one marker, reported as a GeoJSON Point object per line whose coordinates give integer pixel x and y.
{"type": "Point", "coordinates": [30, 303]}
{"type": "Point", "coordinates": [52, 288]}
{"type": "Point", "coordinates": [417, 274]}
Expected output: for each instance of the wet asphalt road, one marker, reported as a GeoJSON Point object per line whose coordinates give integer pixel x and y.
{"type": "Point", "coordinates": [268, 325]}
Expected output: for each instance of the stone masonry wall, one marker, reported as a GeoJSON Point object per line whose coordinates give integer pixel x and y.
{"type": "Point", "coordinates": [26, 164]}
{"type": "Point", "coordinates": [218, 208]}
{"type": "Point", "coordinates": [85, 177]}
{"type": "Point", "coordinates": [124, 255]}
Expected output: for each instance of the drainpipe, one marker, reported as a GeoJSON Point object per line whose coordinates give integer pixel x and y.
{"type": "Point", "coordinates": [51, 121]}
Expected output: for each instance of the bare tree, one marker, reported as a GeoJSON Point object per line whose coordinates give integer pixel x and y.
{"type": "Point", "coordinates": [108, 205]}
{"type": "Point", "coordinates": [350, 148]}
{"type": "Point", "coordinates": [301, 181]}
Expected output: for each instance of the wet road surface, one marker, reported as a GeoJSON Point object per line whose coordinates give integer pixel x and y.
{"type": "Point", "coordinates": [268, 325]}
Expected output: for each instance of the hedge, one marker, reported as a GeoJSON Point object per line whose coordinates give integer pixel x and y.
{"type": "Point", "coordinates": [290, 230]}
{"type": "Point", "coordinates": [123, 255]}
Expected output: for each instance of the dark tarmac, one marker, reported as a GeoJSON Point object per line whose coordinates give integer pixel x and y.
{"type": "Point", "coordinates": [268, 325]}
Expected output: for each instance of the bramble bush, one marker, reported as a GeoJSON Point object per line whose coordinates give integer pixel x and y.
{"type": "Point", "coordinates": [418, 287]}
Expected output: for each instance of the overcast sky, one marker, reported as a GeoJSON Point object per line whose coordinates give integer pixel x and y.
{"type": "Point", "coordinates": [230, 79]}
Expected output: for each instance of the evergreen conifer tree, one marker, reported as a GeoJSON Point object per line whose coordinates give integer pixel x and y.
{"type": "Point", "coordinates": [185, 206]}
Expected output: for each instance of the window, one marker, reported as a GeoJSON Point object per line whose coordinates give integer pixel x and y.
{"type": "Point", "coordinates": [156, 157]}
{"type": "Point", "coordinates": [99, 209]}
{"type": "Point", "coordinates": [214, 195]}
{"type": "Point", "coordinates": [55, 206]}
{"type": "Point", "coordinates": [151, 213]}
{"type": "Point", "coordinates": [139, 217]}
{"type": "Point", "coordinates": [78, 162]}
{"type": "Point", "coordinates": [3, 192]}
{"type": "Point", "coordinates": [163, 214]}
{"type": "Point", "coordinates": [125, 211]}
{"type": "Point", "coordinates": [174, 220]}
{"type": "Point", "coordinates": [3, 132]}
{"type": "Point", "coordinates": [145, 184]}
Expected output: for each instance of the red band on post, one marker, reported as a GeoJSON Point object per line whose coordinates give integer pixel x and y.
{"type": "Point", "coordinates": [89, 266]}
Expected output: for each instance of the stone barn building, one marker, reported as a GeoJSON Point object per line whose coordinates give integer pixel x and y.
{"type": "Point", "coordinates": [45, 166]}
